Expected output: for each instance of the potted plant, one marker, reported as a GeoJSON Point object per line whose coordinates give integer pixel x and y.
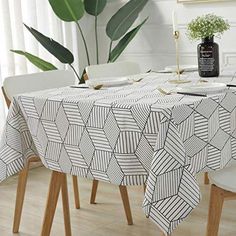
{"type": "Point", "coordinates": [117, 29]}
{"type": "Point", "coordinates": [205, 28]}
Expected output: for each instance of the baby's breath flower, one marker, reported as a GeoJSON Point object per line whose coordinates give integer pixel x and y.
{"type": "Point", "coordinates": [207, 26]}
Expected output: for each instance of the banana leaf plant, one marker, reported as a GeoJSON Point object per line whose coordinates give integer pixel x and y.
{"type": "Point", "coordinates": [117, 28]}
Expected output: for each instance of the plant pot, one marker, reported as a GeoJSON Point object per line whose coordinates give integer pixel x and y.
{"type": "Point", "coordinates": [208, 58]}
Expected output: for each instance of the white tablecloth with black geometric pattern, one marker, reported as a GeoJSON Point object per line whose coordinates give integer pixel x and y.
{"type": "Point", "coordinates": [127, 135]}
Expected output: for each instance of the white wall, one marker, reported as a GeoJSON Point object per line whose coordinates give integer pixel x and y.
{"type": "Point", "coordinates": [154, 46]}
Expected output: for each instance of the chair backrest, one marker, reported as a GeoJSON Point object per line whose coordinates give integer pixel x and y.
{"type": "Point", "coordinates": [38, 81]}
{"type": "Point", "coordinates": [112, 70]}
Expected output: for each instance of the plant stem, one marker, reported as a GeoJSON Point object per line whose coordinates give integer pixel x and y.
{"type": "Point", "coordinates": [84, 41]}
{"type": "Point", "coordinates": [77, 75]}
{"type": "Point", "coordinates": [96, 37]}
{"type": "Point", "coordinates": [109, 53]}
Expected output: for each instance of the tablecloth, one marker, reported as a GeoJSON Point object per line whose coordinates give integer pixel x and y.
{"type": "Point", "coordinates": [127, 135]}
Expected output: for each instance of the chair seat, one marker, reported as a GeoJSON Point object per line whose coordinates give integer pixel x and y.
{"type": "Point", "coordinates": [225, 178]}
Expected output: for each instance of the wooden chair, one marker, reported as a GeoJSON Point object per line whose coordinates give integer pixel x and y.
{"type": "Point", "coordinates": [113, 70]}
{"type": "Point", "coordinates": [206, 178]}
{"type": "Point", "coordinates": [223, 188]}
{"type": "Point", "coordinates": [29, 83]}
{"type": "Point", "coordinates": [58, 183]}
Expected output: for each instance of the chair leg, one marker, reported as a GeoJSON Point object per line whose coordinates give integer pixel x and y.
{"type": "Point", "coordinates": [53, 193]}
{"type": "Point", "coordinates": [94, 192]}
{"type": "Point", "coordinates": [206, 179]}
{"type": "Point", "coordinates": [20, 195]}
{"type": "Point", "coordinates": [65, 204]}
{"type": "Point", "coordinates": [125, 199]}
{"type": "Point", "coordinates": [215, 209]}
{"type": "Point", "coordinates": [144, 188]}
{"type": "Point", "coordinates": [76, 192]}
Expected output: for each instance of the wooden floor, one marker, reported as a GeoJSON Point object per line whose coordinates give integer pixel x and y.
{"type": "Point", "coordinates": [103, 219]}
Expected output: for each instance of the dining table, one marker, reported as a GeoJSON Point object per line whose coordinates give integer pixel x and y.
{"type": "Point", "coordinates": [133, 134]}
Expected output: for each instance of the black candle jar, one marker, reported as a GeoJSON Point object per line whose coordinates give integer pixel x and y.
{"type": "Point", "coordinates": [208, 58]}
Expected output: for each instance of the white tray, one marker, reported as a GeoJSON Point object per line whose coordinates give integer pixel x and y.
{"type": "Point", "coordinates": [188, 68]}
{"type": "Point", "coordinates": [108, 82]}
{"type": "Point", "coordinates": [202, 87]}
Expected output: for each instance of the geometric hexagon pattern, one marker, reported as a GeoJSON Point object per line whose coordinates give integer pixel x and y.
{"type": "Point", "coordinates": [127, 135]}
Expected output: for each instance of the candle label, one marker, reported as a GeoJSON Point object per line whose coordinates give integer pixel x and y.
{"type": "Point", "coordinates": [206, 60]}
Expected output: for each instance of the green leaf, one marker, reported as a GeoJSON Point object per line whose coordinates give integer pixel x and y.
{"type": "Point", "coordinates": [68, 10]}
{"type": "Point", "coordinates": [120, 23]}
{"type": "Point", "coordinates": [56, 49]}
{"type": "Point", "coordinates": [38, 62]}
{"type": "Point", "coordinates": [94, 7]}
{"type": "Point", "coordinates": [123, 43]}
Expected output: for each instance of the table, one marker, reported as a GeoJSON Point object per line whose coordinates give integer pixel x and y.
{"type": "Point", "coordinates": [130, 135]}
